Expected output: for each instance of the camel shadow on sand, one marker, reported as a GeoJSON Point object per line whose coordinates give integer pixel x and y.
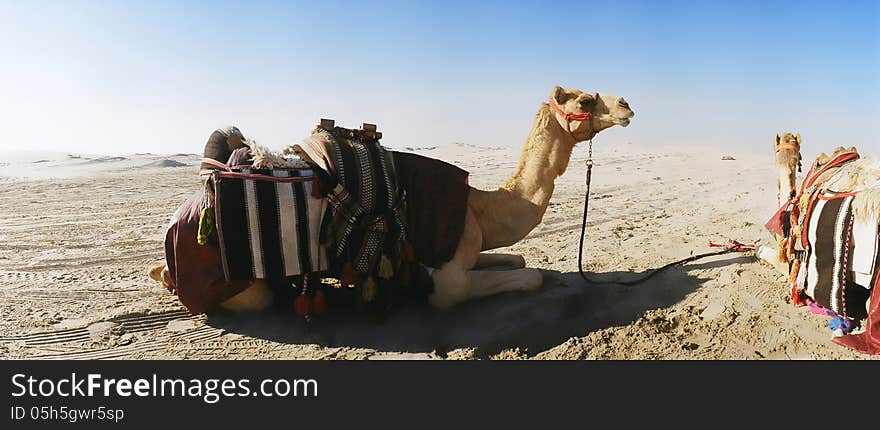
{"type": "Point", "coordinates": [567, 306]}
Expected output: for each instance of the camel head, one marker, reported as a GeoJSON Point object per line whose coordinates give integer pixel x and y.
{"type": "Point", "coordinates": [605, 111]}
{"type": "Point", "coordinates": [788, 160]}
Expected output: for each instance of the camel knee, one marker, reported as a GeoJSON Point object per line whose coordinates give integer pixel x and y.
{"type": "Point", "coordinates": [450, 288]}
{"type": "Point", "coordinates": [254, 298]}
{"type": "Point", "coordinates": [532, 279]}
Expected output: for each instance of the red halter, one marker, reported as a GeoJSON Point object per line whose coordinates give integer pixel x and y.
{"type": "Point", "coordinates": [569, 117]}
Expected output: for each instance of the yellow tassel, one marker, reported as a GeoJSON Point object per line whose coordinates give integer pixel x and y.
{"type": "Point", "coordinates": [206, 225]}
{"type": "Point", "coordinates": [386, 269]}
{"type": "Point", "coordinates": [368, 290]}
{"type": "Point", "coordinates": [780, 250]}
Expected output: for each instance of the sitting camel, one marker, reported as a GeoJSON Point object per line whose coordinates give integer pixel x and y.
{"type": "Point", "coordinates": [504, 216]}
{"type": "Point", "coordinates": [827, 232]}
{"type": "Point", "coordinates": [861, 175]}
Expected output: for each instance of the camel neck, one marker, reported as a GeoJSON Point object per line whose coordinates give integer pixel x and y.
{"type": "Point", "coordinates": [544, 158]}
{"type": "Point", "coordinates": [509, 213]}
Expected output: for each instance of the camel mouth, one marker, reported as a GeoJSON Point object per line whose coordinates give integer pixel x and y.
{"type": "Point", "coordinates": [623, 122]}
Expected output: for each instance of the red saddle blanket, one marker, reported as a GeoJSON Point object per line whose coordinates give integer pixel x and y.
{"type": "Point", "coordinates": [196, 271]}
{"type": "Point", "coordinates": [437, 194]}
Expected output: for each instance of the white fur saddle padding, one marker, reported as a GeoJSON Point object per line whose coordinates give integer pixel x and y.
{"type": "Point", "coordinates": [264, 158]}
{"type": "Point", "coordinates": [860, 176]}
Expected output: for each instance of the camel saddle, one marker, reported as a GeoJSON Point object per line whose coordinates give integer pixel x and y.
{"type": "Point", "coordinates": [372, 218]}
{"type": "Point", "coordinates": [834, 258]}
{"type": "Point", "coordinates": [246, 224]}
{"type": "Point", "coordinates": [388, 210]}
{"type": "Point", "coordinates": [267, 221]}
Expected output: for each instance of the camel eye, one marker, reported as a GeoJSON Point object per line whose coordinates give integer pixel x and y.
{"type": "Point", "coordinates": [623, 103]}
{"type": "Point", "coordinates": [587, 103]}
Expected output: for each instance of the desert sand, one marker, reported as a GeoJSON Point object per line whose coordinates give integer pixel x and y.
{"type": "Point", "coordinates": [78, 232]}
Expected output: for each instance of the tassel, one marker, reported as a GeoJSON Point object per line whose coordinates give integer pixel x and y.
{"type": "Point", "coordinates": [409, 254]}
{"type": "Point", "coordinates": [792, 280]}
{"type": "Point", "coordinates": [347, 274]}
{"type": "Point", "coordinates": [781, 246]}
{"type": "Point", "coordinates": [368, 290]}
{"type": "Point", "coordinates": [840, 325]}
{"type": "Point", "coordinates": [319, 303]}
{"type": "Point", "coordinates": [302, 305]}
{"type": "Point", "coordinates": [386, 270]}
{"type": "Point", "coordinates": [206, 225]}
{"type": "Point", "coordinates": [316, 187]}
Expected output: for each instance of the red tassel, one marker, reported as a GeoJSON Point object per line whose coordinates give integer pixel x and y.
{"type": "Point", "coordinates": [319, 303]}
{"type": "Point", "coordinates": [409, 254]}
{"type": "Point", "coordinates": [316, 187]}
{"type": "Point", "coordinates": [302, 304]}
{"type": "Point", "coordinates": [347, 275]}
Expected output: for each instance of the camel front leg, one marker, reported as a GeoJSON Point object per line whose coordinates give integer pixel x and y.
{"type": "Point", "coordinates": [771, 257]}
{"type": "Point", "coordinates": [455, 282]}
{"type": "Point", "coordinates": [452, 285]}
{"type": "Point", "coordinates": [487, 261]}
{"type": "Point", "coordinates": [256, 297]}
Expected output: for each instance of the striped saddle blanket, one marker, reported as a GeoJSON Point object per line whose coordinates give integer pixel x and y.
{"type": "Point", "coordinates": [268, 222]}
{"type": "Point", "coordinates": [838, 255]}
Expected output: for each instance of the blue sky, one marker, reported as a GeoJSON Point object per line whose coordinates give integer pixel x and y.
{"type": "Point", "coordinates": [121, 77]}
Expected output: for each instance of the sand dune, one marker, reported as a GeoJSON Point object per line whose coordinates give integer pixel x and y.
{"type": "Point", "coordinates": [164, 163]}
{"type": "Point", "coordinates": [46, 165]}
{"type": "Point", "coordinates": [78, 238]}
{"type": "Point", "coordinates": [101, 160]}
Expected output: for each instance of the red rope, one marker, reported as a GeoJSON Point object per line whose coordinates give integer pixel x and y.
{"type": "Point", "coordinates": [570, 116]}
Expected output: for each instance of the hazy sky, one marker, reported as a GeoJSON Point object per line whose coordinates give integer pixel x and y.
{"type": "Point", "coordinates": [150, 76]}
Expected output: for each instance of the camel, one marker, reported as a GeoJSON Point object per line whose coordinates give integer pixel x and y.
{"type": "Point", "coordinates": [861, 175]}
{"type": "Point", "coordinates": [504, 216]}
{"type": "Point", "coordinates": [788, 161]}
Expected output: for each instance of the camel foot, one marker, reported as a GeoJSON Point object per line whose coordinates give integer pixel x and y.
{"type": "Point", "coordinates": [159, 273]}
{"type": "Point", "coordinates": [256, 298]}
{"type": "Point", "coordinates": [770, 256]}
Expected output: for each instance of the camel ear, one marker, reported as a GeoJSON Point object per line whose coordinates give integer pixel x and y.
{"type": "Point", "coordinates": [777, 138]}
{"type": "Point", "coordinates": [798, 139]}
{"type": "Point", "coordinates": [560, 95]}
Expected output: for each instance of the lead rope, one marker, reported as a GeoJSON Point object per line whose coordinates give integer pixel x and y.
{"type": "Point", "coordinates": [733, 246]}
{"type": "Point", "coordinates": [586, 208]}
